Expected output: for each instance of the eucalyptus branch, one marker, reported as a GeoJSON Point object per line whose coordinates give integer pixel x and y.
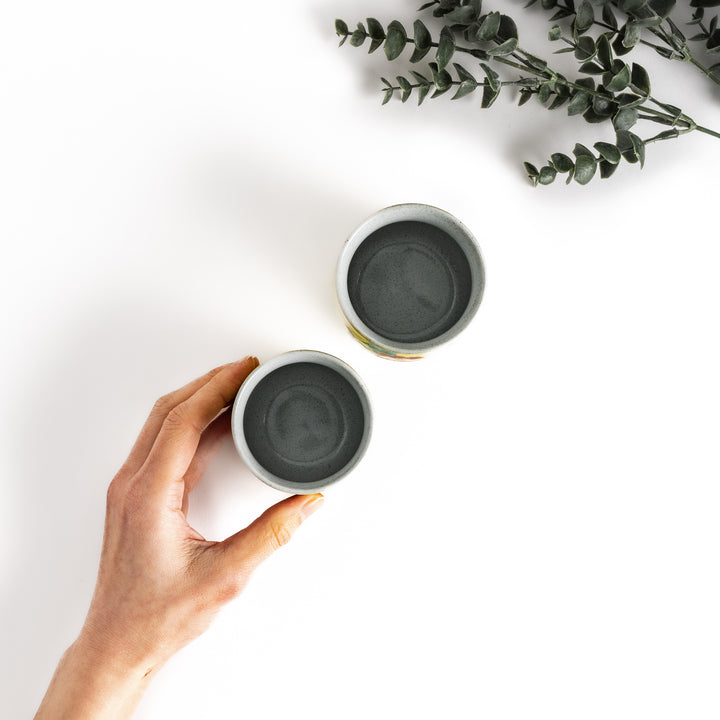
{"type": "Point", "coordinates": [620, 97]}
{"type": "Point", "coordinates": [642, 16]}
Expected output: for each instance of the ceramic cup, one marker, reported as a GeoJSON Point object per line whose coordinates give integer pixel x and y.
{"type": "Point", "coordinates": [410, 278]}
{"type": "Point", "coordinates": [302, 421]}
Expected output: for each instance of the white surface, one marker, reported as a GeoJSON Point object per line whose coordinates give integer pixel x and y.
{"type": "Point", "coordinates": [533, 532]}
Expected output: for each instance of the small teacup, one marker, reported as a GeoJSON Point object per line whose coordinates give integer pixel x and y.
{"type": "Point", "coordinates": [410, 278]}
{"type": "Point", "coordinates": [302, 421]}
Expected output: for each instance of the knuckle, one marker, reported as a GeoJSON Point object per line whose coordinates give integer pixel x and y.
{"type": "Point", "coordinates": [180, 417]}
{"type": "Point", "coordinates": [279, 534]}
{"type": "Point", "coordinates": [163, 404]}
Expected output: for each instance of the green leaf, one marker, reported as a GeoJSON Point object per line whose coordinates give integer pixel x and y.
{"type": "Point", "coordinates": [422, 92]}
{"type": "Point", "coordinates": [591, 68]}
{"type": "Point", "coordinates": [418, 54]}
{"type": "Point", "coordinates": [640, 79]}
{"type": "Point", "coordinates": [592, 117]}
{"type": "Point", "coordinates": [421, 36]}
{"type": "Point", "coordinates": [342, 30]}
{"type": "Point", "coordinates": [585, 167]}
{"type": "Point", "coordinates": [463, 15]}
{"type": "Point", "coordinates": [465, 88]}
{"type": "Point", "coordinates": [631, 147]}
{"type": "Point", "coordinates": [558, 101]}
{"type": "Point", "coordinates": [585, 48]}
{"type": "Point", "coordinates": [629, 100]}
{"type": "Point", "coordinates": [555, 33]}
{"type": "Point", "coordinates": [532, 172]}
{"type": "Point", "coordinates": [358, 36]}
{"type": "Point", "coordinates": [375, 29]}
{"type": "Point", "coordinates": [395, 41]}
{"type": "Point", "coordinates": [607, 169]}
{"type": "Point", "coordinates": [608, 151]}
{"type": "Point", "coordinates": [604, 105]}
{"type": "Point", "coordinates": [584, 17]}
{"type": "Point", "coordinates": [608, 16]}
{"type": "Point", "coordinates": [580, 151]}
{"type": "Point", "coordinates": [463, 74]}
{"type": "Point", "coordinates": [508, 28]}
{"type": "Point", "coordinates": [662, 7]}
{"type": "Point", "coordinates": [632, 35]}
{"type": "Point", "coordinates": [561, 162]}
{"type": "Point", "coordinates": [504, 48]}
{"type": "Point", "coordinates": [446, 47]}
{"type": "Point", "coordinates": [579, 103]}
{"type": "Point", "coordinates": [388, 95]}
{"type": "Point", "coordinates": [639, 147]}
{"type": "Point", "coordinates": [492, 88]}
{"type": "Point", "coordinates": [619, 79]}
{"type": "Point", "coordinates": [624, 119]}
{"type": "Point", "coordinates": [405, 87]}
{"type": "Point", "coordinates": [547, 175]}
{"type": "Point", "coordinates": [489, 27]}
{"type": "Point", "coordinates": [525, 95]}
{"type": "Point", "coordinates": [618, 47]}
{"type": "Point", "coordinates": [604, 52]}
{"type": "Point", "coordinates": [420, 78]}
{"type": "Point", "coordinates": [544, 93]}
{"type": "Point", "coordinates": [441, 78]}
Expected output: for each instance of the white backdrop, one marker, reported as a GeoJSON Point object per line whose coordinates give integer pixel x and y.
{"type": "Point", "coordinates": [533, 532]}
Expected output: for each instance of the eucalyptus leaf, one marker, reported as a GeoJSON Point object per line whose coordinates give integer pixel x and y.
{"type": "Point", "coordinates": [624, 119]}
{"type": "Point", "coordinates": [640, 79]}
{"type": "Point", "coordinates": [608, 151]}
{"type": "Point", "coordinates": [585, 48]}
{"type": "Point", "coordinates": [504, 48]}
{"type": "Point", "coordinates": [632, 35]}
{"type": "Point", "coordinates": [585, 167]}
{"type": "Point", "coordinates": [561, 162]}
{"type": "Point", "coordinates": [584, 17]}
{"type": "Point", "coordinates": [547, 175]}
{"type": "Point", "coordinates": [375, 29]}
{"type": "Point", "coordinates": [489, 27]}
{"type": "Point", "coordinates": [579, 103]}
{"type": "Point", "coordinates": [508, 29]}
{"type": "Point", "coordinates": [618, 80]}
{"type": "Point", "coordinates": [421, 36]}
{"type": "Point", "coordinates": [395, 40]}
{"type": "Point", "coordinates": [607, 169]}
{"type": "Point", "coordinates": [446, 47]}
{"type": "Point", "coordinates": [405, 87]}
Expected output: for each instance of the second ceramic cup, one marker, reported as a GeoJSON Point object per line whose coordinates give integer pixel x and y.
{"type": "Point", "coordinates": [302, 421]}
{"type": "Point", "coordinates": [410, 278]}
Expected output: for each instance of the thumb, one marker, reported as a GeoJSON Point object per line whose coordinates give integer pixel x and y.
{"type": "Point", "coordinates": [245, 550]}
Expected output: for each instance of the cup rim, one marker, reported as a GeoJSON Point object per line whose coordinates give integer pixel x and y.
{"type": "Point", "coordinates": [433, 216]}
{"type": "Point", "coordinates": [289, 358]}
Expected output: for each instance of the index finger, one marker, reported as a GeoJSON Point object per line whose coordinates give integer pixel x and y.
{"type": "Point", "coordinates": [176, 443]}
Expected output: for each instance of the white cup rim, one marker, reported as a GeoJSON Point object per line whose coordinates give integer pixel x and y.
{"type": "Point", "coordinates": [433, 216]}
{"type": "Point", "coordinates": [262, 371]}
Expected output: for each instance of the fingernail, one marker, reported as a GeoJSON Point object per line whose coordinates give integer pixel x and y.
{"type": "Point", "coordinates": [248, 359]}
{"type": "Point", "coordinates": [311, 505]}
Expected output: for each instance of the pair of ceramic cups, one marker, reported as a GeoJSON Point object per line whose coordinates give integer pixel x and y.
{"type": "Point", "coordinates": [410, 278]}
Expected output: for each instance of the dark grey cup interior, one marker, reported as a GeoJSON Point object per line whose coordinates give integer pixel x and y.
{"type": "Point", "coordinates": [409, 281]}
{"type": "Point", "coordinates": [303, 422]}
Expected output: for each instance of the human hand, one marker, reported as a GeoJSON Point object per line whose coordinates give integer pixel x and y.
{"type": "Point", "coordinates": [160, 581]}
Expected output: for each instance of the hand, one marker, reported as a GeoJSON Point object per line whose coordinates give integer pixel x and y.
{"type": "Point", "coordinates": [160, 581]}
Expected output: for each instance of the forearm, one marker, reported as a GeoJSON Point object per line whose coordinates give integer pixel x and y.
{"type": "Point", "coordinates": [90, 683]}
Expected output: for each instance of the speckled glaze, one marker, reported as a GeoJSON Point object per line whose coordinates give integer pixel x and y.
{"type": "Point", "coordinates": [302, 421]}
{"type": "Point", "coordinates": [452, 292]}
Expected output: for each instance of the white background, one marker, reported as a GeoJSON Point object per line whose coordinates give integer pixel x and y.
{"type": "Point", "coordinates": [534, 530]}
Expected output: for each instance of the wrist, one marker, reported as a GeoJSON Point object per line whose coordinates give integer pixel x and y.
{"type": "Point", "coordinates": [94, 679]}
